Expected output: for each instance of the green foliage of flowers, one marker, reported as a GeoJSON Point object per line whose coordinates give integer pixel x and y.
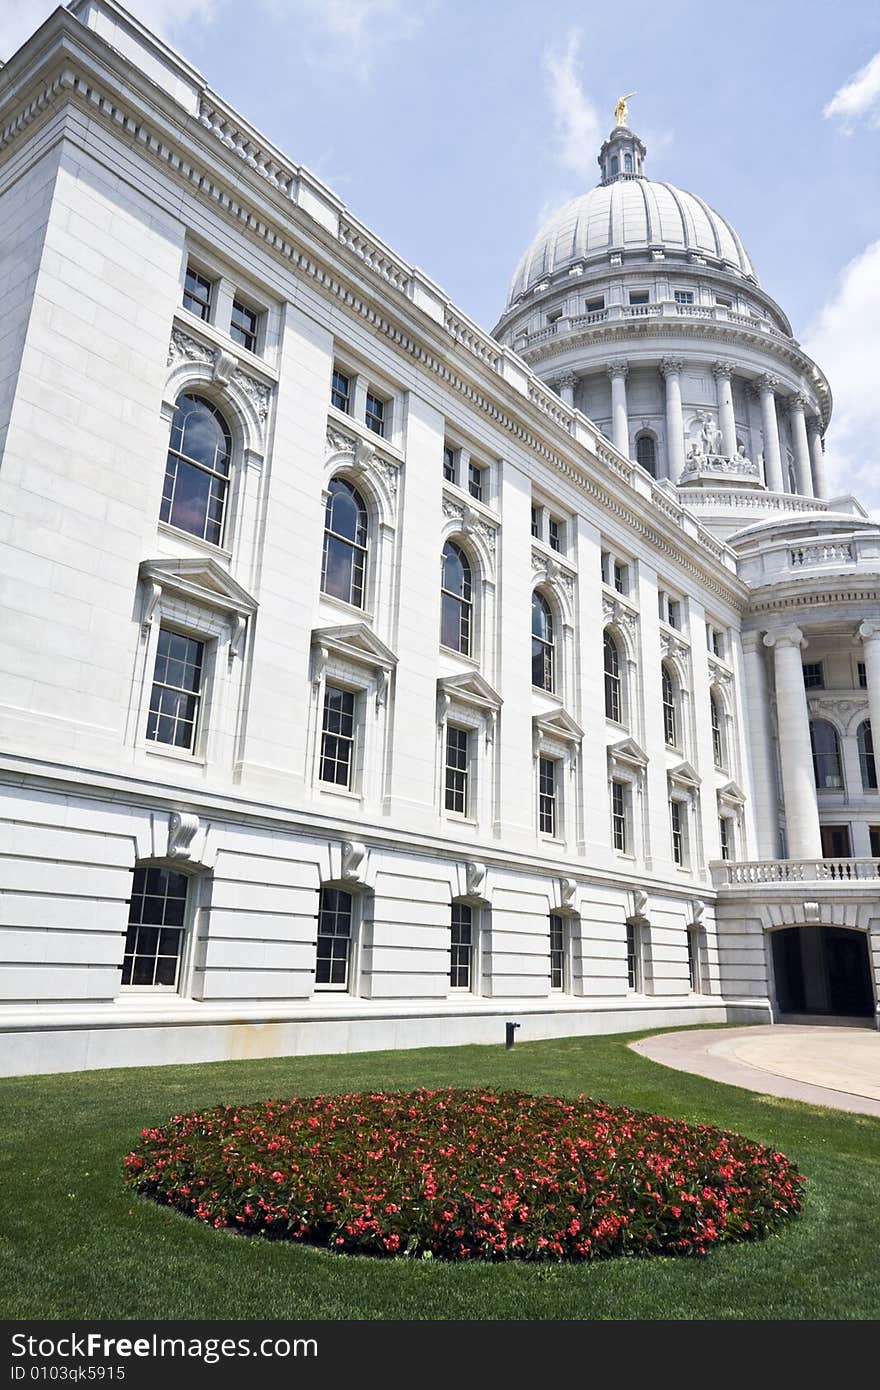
{"type": "Point", "coordinates": [467, 1174]}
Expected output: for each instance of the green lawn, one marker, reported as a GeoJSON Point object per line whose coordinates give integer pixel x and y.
{"type": "Point", "coordinates": [74, 1244]}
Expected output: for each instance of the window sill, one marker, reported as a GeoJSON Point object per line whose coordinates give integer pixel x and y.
{"type": "Point", "coordinates": [345, 793]}
{"type": "Point", "coordinates": [217, 551]}
{"type": "Point", "coordinates": [460, 656]}
{"type": "Point", "coordinates": [218, 337]}
{"type": "Point", "coordinates": [463, 494]}
{"type": "Point", "coordinates": [349, 608]}
{"type": "Point", "coordinates": [177, 755]}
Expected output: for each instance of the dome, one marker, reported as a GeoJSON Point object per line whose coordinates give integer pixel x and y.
{"type": "Point", "coordinates": [628, 212]}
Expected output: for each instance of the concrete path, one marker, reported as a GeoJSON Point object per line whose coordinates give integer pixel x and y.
{"type": "Point", "coordinates": [835, 1067]}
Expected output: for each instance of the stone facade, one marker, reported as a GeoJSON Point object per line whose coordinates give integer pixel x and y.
{"type": "Point", "coordinates": [168, 692]}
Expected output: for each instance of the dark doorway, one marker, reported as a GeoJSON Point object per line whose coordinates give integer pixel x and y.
{"type": "Point", "coordinates": [836, 842]}
{"type": "Point", "coordinates": [822, 970]}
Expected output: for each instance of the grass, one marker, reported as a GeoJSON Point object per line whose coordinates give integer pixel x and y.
{"type": "Point", "coordinates": [75, 1244]}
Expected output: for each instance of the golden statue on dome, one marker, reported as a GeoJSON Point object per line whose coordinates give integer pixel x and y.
{"type": "Point", "coordinates": [620, 108]}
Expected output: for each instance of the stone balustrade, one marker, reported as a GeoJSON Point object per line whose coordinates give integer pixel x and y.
{"type": "Point", "coordinates": [729, 875]}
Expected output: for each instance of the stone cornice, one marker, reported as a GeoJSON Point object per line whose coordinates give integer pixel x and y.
{"type": "Point", "coordinates": [76, 66]}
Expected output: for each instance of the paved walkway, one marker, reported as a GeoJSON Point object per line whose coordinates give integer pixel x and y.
{"type": "Point", "coordinates": [836, 1067]}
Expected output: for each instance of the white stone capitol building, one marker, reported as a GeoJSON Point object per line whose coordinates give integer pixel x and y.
{"type": "Point", "coordinates": [368, 680]}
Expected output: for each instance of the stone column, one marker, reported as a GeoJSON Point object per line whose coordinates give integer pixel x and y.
{"type": "Point", "coordinates": [722, 373]}
{"type": "Point", "coordinates": [796, 406]}
{"type": "Point", "coordinates": [870, 635]}
{"type": "Point", "coordinates": [671, 369]}
{"type": "Point", "coordinates": [762, 761]}
{"type": "Point", "coordinates": [617, 369]}
{"type": "Point", "coordinates": [817, 456]}
{"type": "Point", "coordinates": [770, 428]}
{"type": "Point", "coordinates": [565, 385]}
{"type": "Point", "coordinates": [795, 749]}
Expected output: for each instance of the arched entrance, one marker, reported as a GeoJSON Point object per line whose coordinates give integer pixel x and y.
{"type": "Point", "coordinates": [822, 970]}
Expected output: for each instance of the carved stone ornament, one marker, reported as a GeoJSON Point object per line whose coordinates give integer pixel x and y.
{"type": "Point", "coordinates": [674, 647]}
{"type": "Point", "coordinates": [472, 523]}
{"type": "Point", "coordinates": [364, 458]}
{"type": "Point", "coordinates": [568, 893]}
{"type": "Point", "coordinates": [258, 393]}
{"type": "Point", "coordinates": [811, 912]}
{"type": "Point", "coordinates": [183, 348]}
{"type": "Point", "coordinates": [615, 612]}
{"type": "Point", "coordinates": [640, 905]}
{"type": "Point", "coordinates": [698, 910]}
{"type": "Point", "coordinates": [354, 854]}
{"type": "Point", "coordinates": [474, 878]}
{"type": "Point", "coordinates": [182, 828]}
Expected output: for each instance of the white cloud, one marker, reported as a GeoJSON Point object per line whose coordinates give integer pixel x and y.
{"type": "Point", "coordinates": [858, 98]}
{"type": "Point", "coordinates": [843, 340]}
{"type": "Point", "coordinates": [20, 18]}
{"type": "Point", "coordinates": [576, 120]}
{"type": "Point", "coordinates": [346, 36]}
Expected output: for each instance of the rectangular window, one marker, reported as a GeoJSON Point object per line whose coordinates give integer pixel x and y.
{"type": "Point", "coordinates": [197, 294]}
{"type": "Point", "coordinates": [724, 301]}
{"type": "Point", "coordinates": [814, 677]}
{"type": "Point", "coordinates": [457, 770]}
{"type": "Point", "coordinates": [340, 391]}
{"type": "Point", "coordinates": [725, 837]}
{"type": "Point", "coordinates": [715, 641]}
{"type": "Point", "coordinates": [243, 325]}
{"type": "Point", "coordinates": [375, 416]}
{"type": "Point", "coordinates": [536, 523]}
{"type": "Point", "coordinates": [693, 948]}
{"type": "Point", "coordinates": [555, 316]}
{"type": "Point", "coordinates": [547, 796]}
{"type": "Point", "coordinates": [337, 737]}
{"type": "Point", "coordinates": [863, 676]}
{"type": "Point", "coordinates": [874, 833]}
{"type": "Point", "coordinates": [684, 296]}
{"type": "Point", "coordinates": [836, 842]}
{"type": "Point", "coordinates": [621, 578]}
{"type": "Point", "coordinates": [177, 691]}
{"type": "Point", "coordinates": [633, 956]}
{"type": "Point", "coordinates": [673, 613]}
{"type": "Point", "coordinates": [619, 828]}
{"type": "Point", "coordinates": [335, 933]}
{"type": "Point", "coordinates": [461, 967]}
{"type": "Point", "coordinates": [638, 296]}
{"type": "Point", "coordinates": [595, 306]}
{"type": "Point", "coordinates": [448, 463]}
{"type": "Point", "coordinates": [677, 821]}
{"type": "Point", "coordinates": [554, 532]}
{"type": "Point", "coordinates": [475, 481]}
{"type": "Point", "coordinates": [557, 952]}
{"type": "Point", "coordinates": [156, 924]}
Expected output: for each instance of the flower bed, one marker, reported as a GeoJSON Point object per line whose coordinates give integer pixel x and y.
{"type": "Point", "coordinates": [467, 1175]}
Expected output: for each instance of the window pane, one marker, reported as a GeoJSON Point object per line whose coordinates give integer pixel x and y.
{"type": "Point", "coordinates": [176, 691]}
{"type": "Point", "coordinates": [462, 947]}
{"type": "Point", "coordinates": [337, 737]}
{"type": "Point", "coordinates": [197, 294]}
{"type": "Point", "coordinates": [243, 326]}
{"type": "Point", "coordinates": [152, 955]}
{"type": "Point", "coordinates": [197, 470]}
{"type": "Point", "coordinates": [456, 785]}
{"type": "Point", "coordinates": [333, 955]}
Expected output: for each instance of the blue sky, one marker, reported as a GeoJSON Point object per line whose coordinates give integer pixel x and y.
{"type": "Point", "coordinates": [452, 128]}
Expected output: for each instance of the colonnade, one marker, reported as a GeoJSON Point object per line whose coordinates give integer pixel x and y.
{"type": "Point", "coordinates": [806, 430]}
{"type": "Point", "coordinates": [803, 831]}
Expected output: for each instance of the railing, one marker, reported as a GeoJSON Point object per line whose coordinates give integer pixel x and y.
{"type": "Point", "coordinates": [665, 308]}
{"type": "Point", "coordinates": [796, 871]}
{"type": "Point", "coordinates": [803, 556]}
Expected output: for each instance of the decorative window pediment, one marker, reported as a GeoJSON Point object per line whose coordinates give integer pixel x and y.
{"type": "Point", "coordinates": [352, 650]}
{"type": "Point", "coordinates": [684, 777]}
{"type": "Point", "coordinates": [731, 796]}
{"type": "Point", "coordinates": [627, 755]}
{"type": "Point", "coordinates": [556, 732]}
{"type": "Point", "coordinates": [469, 689]}
{"type": "Point", "coordinates": [198, 582]}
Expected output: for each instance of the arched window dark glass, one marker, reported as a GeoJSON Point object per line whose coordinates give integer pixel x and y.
{"type": "Point", "coordinates": [717, 730]}
{"type": "Point", "coordinates": [197, 469]}
{"type": "Point", "coordinates": [867, 760]}
{"type": "Point", "coordinates": [543, 644]}
{"type": "Point", "coordinates": [344, 566]}
{"type": "Point", "coordinates": [456, 620]}
{"type": "Point", "coordinates": [670, 714]}
{"type": "Point", "coordinates": [627, 163]}
{"type": "Point", "coordinates": [615, 164]}
{"type": "Point", "coordinates": [613, 693]}
{"type": "Point", "coordinates": [646, 453]}
{"type": "Point", "coordinates": [826, 755]}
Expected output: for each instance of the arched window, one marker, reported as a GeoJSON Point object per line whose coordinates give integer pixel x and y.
{"type": "Point", "coordinates": [717, 730]}
{"type": "Point", "coordinates": [456, 621]}
{"type": "Point", "coordinates": [646, 452]}
{"type": "Point", "coordinates": [615, 164]}
{"type": "Point", "coordinates": [613, 692]}
{"type": "Point", "coordinates": [670, 713]}
{"type": "Point", "coordinates": [543, 649]}
{"type": "Point", "coordinates": [826, 755]}
{"type": "Point", "coordinates": [343, 569]}
{"type": "Point", "coordinates": [627, 163]}
{"type": "Point", "coordinates": [867, 760]}
{"type": "Point", "coordinates": [197, 469]}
